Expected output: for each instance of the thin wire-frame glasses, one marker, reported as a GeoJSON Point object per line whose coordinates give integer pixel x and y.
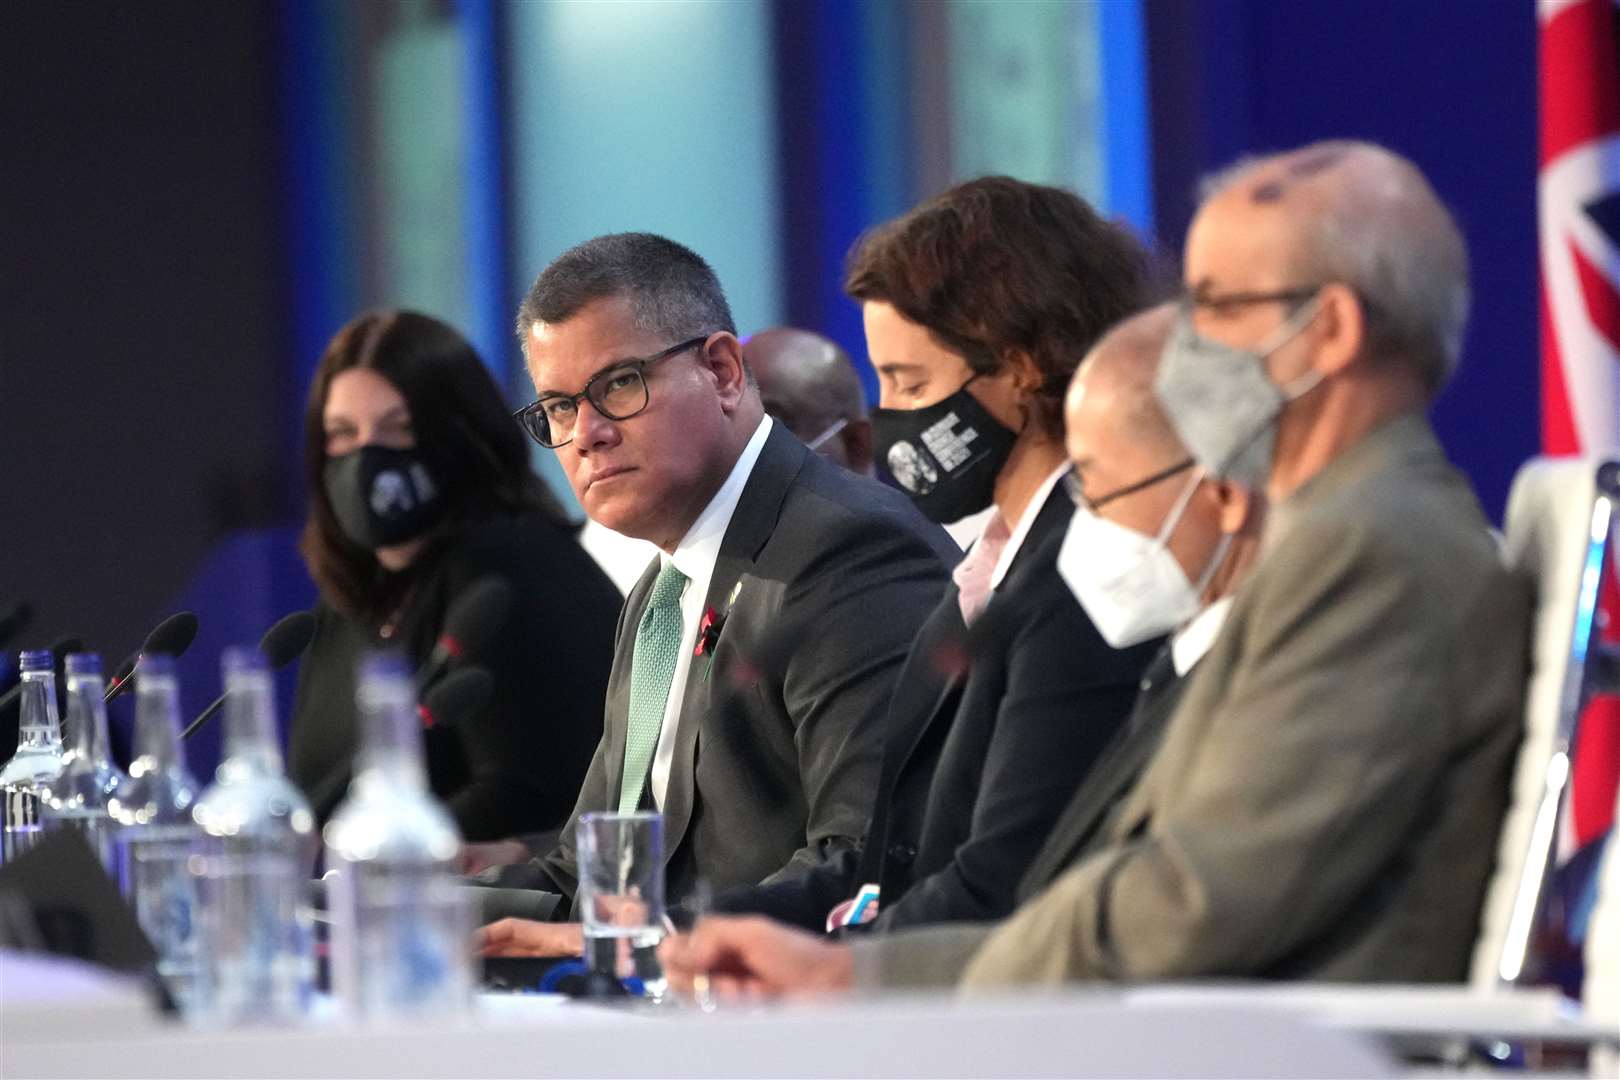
{"type": "Point", "coordinates": [618, 393]}
{"type": "Point", "coordinates": [1071, 484]}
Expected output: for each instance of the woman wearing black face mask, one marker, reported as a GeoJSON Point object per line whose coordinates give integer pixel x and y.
{"type": "Point", "coordinates": [978, 307]}
{"type": "Point", "coordinates": [420, 486]}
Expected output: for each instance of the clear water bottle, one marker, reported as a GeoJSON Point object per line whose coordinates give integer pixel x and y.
{"type": "Point", "coordinates": [25, 780]}
{"type": "Point", "coordinates": [153, 810]}
{"type": "Point", "coordinates": [401, 924]}
{"type": "Point", "coordinates": [253, 865]}
{"type": "Point", "coordinates": [81, 797]}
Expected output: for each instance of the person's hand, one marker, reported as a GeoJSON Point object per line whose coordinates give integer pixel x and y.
{"type": "Point", "coordinates": [752, 957]}
{"type": "Point", "coordinates": [476, 857]}
{"type": "Point", "coordinates": [525, 937]}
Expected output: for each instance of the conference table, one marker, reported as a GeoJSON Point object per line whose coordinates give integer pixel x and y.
{"type": "Point", "coordinates": [60, 1020]}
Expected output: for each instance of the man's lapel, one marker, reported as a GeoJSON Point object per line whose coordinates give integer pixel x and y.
{"type": "Point", "coordinates": [751, 525]}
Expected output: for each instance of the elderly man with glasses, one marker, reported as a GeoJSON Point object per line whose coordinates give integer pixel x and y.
{"type": "Point", "coordinates": [756, 655]}
{"type": "Point", "coordinates": [1327, 796]}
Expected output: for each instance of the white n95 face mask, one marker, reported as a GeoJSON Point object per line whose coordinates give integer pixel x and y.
{"type": "Point", "coordinates": [1130, 585]}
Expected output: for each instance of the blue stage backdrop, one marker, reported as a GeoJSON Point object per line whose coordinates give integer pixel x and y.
{"type": "Point", "coordinates": [1450, 84]}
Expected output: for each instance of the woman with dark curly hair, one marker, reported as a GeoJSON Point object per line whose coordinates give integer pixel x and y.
{"type": "Point", "coordinates": [420, 486]}
{"type": "Point", "coordinates": [978, 306]}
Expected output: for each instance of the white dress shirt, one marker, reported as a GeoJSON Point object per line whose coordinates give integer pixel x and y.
{"type": "Point", "coordinates": [622, 558]}
{"type": "Point", "coordinates": [1189, 644]}
{"type": "Point", "coordinates": [695, 557]}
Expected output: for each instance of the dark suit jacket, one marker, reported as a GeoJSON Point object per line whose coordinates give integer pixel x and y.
{"type": "Point", "coordinates": [990, 731]}
{"type": "Point", "coordinates": [516, 765]}
{"type": "Point", "coordinates": [780, 737]}
{"type": "Point", "coordinates": [1116, 771]}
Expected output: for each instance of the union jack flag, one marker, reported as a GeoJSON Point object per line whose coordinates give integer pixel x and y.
{"type": "Point", "coordinates": [1579, 214]}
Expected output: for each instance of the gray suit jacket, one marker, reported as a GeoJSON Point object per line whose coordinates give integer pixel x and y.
{"type": "Point", "coordinates": [781, 732]}
{"type": "Point", "coordinates": [1326, 800]}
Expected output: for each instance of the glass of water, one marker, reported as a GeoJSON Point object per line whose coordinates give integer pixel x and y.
{"type": "Point", "coordinates": [621, 895]}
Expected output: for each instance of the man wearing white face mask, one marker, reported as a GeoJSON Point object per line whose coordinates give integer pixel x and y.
{"type": "Point", "coordinates": [1153, 548]}
{"type": "Point", "coordinates": [1325, 801]}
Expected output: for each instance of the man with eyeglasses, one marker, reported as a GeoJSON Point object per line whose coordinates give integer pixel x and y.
{"type": "Point", "coordinates": [756, 654]}
{"type": "Point", "coordinates": [806, 382]}
{"type": "Point", "coordinates": [1327, 796]}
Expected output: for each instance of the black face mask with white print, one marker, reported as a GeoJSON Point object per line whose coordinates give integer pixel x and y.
{"type": "Point", "coordinates": [946, 456]}
{"type": "Point", "coordinates": [381, 496]}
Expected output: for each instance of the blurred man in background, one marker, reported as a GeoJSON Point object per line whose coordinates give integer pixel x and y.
{"type": "Point", "coordinates": [809, 383]}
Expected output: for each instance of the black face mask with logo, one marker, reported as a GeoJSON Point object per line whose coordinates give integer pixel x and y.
{"type": "Point", "coordinates": [946, 456]}
{"type": "Point", "coordinates": [381, 496]}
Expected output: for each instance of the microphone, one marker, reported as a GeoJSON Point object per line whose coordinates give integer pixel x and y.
{"type": "Point", "coordinates": [173, 636]}
{"type": "Point", "coordinates": [471, 623]}
{"type": "Point", "coordinates": [287, 639]}
{"type": "Point", "coordinates": [281, 645]}
{"type": "Point", "coordinates": [457, 696]}
{"type": "Point", "coordinates": [66, 646]}
{"type": "Point", "coordinates": [15, 621]}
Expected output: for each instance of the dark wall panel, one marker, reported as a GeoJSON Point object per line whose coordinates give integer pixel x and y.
{"type": "Point", "coordinates": [141, 399]}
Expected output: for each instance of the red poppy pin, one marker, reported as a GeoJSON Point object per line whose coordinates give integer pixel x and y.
{"type": "Point", "coordinates": [708, 635]}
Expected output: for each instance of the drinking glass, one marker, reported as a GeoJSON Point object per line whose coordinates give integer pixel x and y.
{"type": "Point", "coordinates": [621, 895]}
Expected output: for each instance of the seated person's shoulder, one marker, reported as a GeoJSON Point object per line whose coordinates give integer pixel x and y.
{"type": "Point", "coordinates": [1421, 529]}
{"type": "Point", "coordinates": [830, 506]}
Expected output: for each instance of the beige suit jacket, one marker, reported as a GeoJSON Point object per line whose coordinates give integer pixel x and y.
{"type": "Point", "coordinates": [1326, 801]}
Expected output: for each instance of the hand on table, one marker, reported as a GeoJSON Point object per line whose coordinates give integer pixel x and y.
{"type": "Point", "coordinates": [525, 937]}
{"type": "Point", "coordinates": [752, 958]}
{"type": "Point", "coordinates": [476, 857]}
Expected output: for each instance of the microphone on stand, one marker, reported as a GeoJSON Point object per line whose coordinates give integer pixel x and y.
{"type": "Point", "coordinates": [15, 621]}
{"type": "Point", "coordinates": [471, 623]}
{"type": "Point", "coordinates": [172, 636]}
{"type": "Point", "coordinates": [453, 699]}
{"type": "Point", "coordinates": [281, 645]}
{"type": "Point", "coordinates": [64, 647]}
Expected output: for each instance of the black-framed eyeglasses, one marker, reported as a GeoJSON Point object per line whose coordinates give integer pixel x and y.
{"type": "Point", "coordinates": [1296, 294]}
{"type": "Point", "coordinates": [1072, 484]}
{"type": "Point", "coordinates": [618, 393]}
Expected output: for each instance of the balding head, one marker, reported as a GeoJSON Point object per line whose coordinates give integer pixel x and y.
{"type": "Point", "coordinates": [809, 384]}
{"type": "Point", "coordinates": [1114, 423]}
{"type": "Point", "coordinates": [1355, 213]}
{"type": "Point", "coordinates": [1135, 471]}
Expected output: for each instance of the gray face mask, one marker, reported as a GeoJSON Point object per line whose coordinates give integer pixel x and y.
{"type": "Point", "coordinates": [1220, 401]}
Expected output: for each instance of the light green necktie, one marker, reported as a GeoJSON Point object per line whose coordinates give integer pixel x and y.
{"type": "Point", "coordinates": [658, 647]}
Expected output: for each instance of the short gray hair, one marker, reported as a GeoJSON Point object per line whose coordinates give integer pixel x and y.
{"type": "Point", "coordinates": [1384, 233]}
{"type": "Point", "coordinates": [672, 291]}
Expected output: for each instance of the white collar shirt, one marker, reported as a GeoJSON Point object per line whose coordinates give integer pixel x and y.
{"type": "Point", "coordinates": [1189, 644]}
{"type": "Point", "coordinates": [695, 557]}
